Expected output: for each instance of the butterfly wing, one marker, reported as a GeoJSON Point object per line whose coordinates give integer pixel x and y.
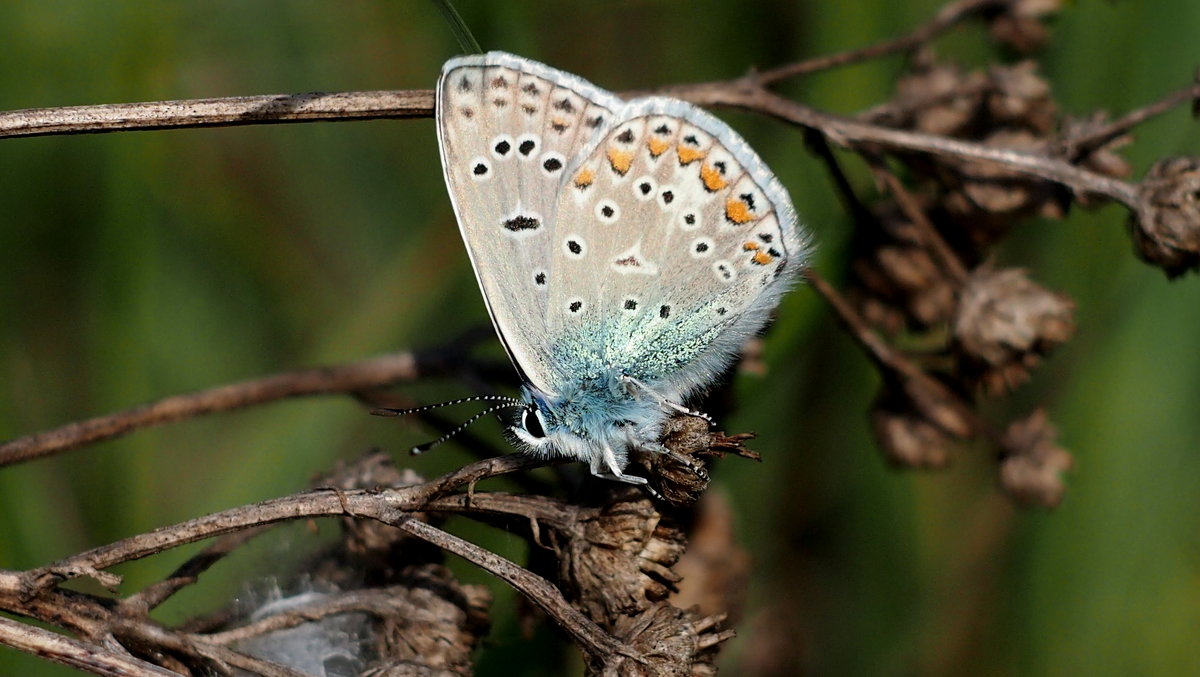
{"type": "Point", "coordinates": [510, 130]}
{"type": "Point", "coordinates": [674, 243]}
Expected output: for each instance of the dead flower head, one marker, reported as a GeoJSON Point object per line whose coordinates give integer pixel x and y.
{"type": "Point", "coordinates": [1166, 229]}
{"type": "Point", "coordinates": [1005, 323]}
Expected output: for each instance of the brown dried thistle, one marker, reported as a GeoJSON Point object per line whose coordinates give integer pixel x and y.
{"type": "Point", "coordinates": [1166, 231]}
{"type": "Point", "coordinates": [1032, 463]}
{"type": "Point", "coordinates": [1005, 324]}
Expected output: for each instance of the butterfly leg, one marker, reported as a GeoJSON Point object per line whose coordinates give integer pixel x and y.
{"type": "Point", "coordinates": [694, 464]}
{"type": "Point", "coordinates": [605, 466]}
{"type": "Point", "coordinates": [665, 403]}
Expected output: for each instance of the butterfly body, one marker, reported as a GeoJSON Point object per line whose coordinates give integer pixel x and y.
{"type": "Point", "coordinates": [625, 250]}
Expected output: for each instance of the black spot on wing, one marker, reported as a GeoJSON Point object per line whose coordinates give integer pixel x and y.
{"type": "Point", "coordinates": [522, 222]}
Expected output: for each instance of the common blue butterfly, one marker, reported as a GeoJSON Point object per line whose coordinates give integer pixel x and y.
{"type": "Point", "coordinates": [626, 250]}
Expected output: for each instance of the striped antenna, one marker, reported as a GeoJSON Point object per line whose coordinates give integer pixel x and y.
{"type": "Point", "coordinates": [474, 398]}
{"type": "Point", "coordinates": [422, 448]}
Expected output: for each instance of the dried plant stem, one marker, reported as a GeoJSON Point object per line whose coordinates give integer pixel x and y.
{"type": "Point", "coordinates": [315, 503]}
{"type": "Point", "coordinates": [748, 94]}
{"type": "Point", "coordinates": [73, 653]}
{"type": "Point", "coordinates": [321, 381]}
{"type": "Point", "coordinates": [933, 398]}
{"type": "Point", "coordinates": [948, 17]}
{"type": "Point", "coordinates": [392, 506]}
{"type": "Point", "coordinates": [1103, 135]}
{"type": "Point", "coordinates": [217, 112]}
{"type": "Point", "coordinates": [541, 592]}
{"type": "Point", "coordinates": [930, 237]}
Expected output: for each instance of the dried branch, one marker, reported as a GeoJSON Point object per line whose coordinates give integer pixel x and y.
{"type": "Point", "coordinates": [1101, 136]}
{"type": "Point", "coordinates": [391, 506]}
{"type": "Point", "coordinates": [949, 16]}
{"type": "Point", "coordinates": [937, 402]}
{"type": "Point", "coordinates": [317, 503]}
{"type": "Point", "coordinates": [538, 590]}
{"type": "Point", "coordinates": [218, 112]}
{"type": "Point", "coordinates": [930, 237]}
{"type": "Point", "coordinates": [748, 94]}
{"type": "Point", "coordinates": [321, 381]}
{"type": "Point", "coordinates": [187, 573]}
{"type": "Point", "coordinates": [74, 653]}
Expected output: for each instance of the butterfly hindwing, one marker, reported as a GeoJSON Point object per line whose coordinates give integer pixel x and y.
{"type": "Point", "coordinates": [686, 241]}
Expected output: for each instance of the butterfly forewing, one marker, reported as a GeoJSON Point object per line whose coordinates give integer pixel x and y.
{"type": "Point", "coordinates": [510, 131]}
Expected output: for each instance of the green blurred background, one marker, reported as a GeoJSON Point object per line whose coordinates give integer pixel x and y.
{"type": "Point", "coordinates": [138, 265]}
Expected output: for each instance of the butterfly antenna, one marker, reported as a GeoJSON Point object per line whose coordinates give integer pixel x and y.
{"type": "Point", "coordinates": [422, 448]}
{"type": "Point", "coordinates": [429, 407]}
{"type": "Point", "coordinates": [459, 27]}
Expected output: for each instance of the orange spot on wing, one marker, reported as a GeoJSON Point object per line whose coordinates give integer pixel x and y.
{"type": "Point", "coordinates": [763, 258]}
{"type": "Point", "coordinates": [712, 178]}
{"type": "Point", "coordinates": [738, 211]}
{"type": "Point", "coordinates": [750, 246]}
{"type": "Point", "coordinates": [584, 178]}
{"type": "Point", "coordinates": [689, 155]}
{"type": "Point", "coordinates": [620, 160]}
{"type": "Point", "coordinates": [657, 146]}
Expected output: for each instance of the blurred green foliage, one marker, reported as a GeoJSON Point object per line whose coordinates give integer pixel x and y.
{"type": "Point", "coordinates": [138, 265]}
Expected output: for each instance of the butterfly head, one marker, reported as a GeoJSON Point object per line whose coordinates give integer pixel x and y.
{"type": "Point", "coordinates": [592, 423]}
{"type": "Point", "coordinates": [531, 426]}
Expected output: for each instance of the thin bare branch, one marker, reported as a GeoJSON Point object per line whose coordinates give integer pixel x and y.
{"type": "Point", "coordinates": [316, 503]}
{"type": "Point", "coordinates": [929, 234]}
{"type": "Point", "coordinates": [747, 95]}
{"type": "Point", "coordinates": [321, 381]}
{"type": "Point", "coordinates": [217, 112]}
{"type": "Point", "coordinates": [538, 590]}
{"type": "Point", "coordinates": [1103, 135]}
{"type": "Point", "coordinates": [73, 653]}
{"type": "Point", "coordinates": [187, 573]}
{"type": "Point", "coordinates": [931, 397]}
{"type": "Point", "coordinates": [947, 18]}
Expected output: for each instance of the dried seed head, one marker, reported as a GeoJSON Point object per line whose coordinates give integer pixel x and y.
{"type": "Point", "coordinates": [672, 643]}
{"type": "Point", "coordinates": [1018, 98]}
{"type": "Point", "coordinates": [1032, 464]}
{"type": "Point", "coordinates": [1166, 229]}
{"type": "Point", "coordinates": [898, 284]}
{"type": "Point", "coordinates": [906, 438]}
{"type": "Point", "coordinates": [938, 98]}
{"type": "Point", "coordinates": [1005, 323]}
{"type": "Point", "coordinates": [1019, 24]}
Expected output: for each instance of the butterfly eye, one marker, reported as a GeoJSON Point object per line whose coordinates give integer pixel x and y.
{"type": "Point", "coordinates": [531, 420]}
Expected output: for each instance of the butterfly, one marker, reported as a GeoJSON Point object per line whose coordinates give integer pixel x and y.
{"type": "Point", "coordinates": [626, 250]}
